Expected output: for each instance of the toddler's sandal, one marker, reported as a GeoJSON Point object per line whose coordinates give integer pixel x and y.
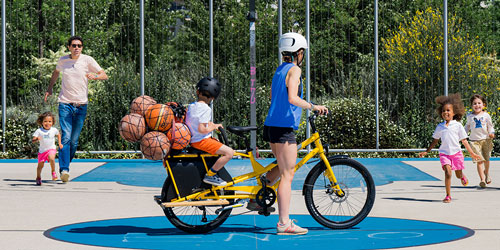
{"type": "Point", "coordinates": [447, 199]}
{"type": "Point", "coordinates": [464, 181]}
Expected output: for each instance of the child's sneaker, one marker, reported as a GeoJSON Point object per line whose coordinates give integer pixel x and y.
{"type": "Point", "coordinates": [54, 176]}
{"type": "Point", "coordinates": [482, 184]}
{"type": "Point", "coordinates": [38, 181]}
{"type": "Point", "coordinates": [290, 229]}
{"type": "Point", "coordinates": [464, 181]}
{"type": "Point", "coordinates": [214, 180]}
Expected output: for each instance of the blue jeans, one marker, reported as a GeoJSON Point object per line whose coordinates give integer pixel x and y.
{"type": "Point", "coordinates": [71, 119]}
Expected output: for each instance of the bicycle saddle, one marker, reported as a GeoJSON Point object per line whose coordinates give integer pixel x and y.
{"type": "Point", "coordinates": [241, 130]}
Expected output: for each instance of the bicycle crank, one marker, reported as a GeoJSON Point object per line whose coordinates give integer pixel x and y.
{"type": "Point", "coordinates": [265, 197]}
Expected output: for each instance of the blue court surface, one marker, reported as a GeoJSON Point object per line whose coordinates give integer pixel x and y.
{"type": "Point", "coordinates": [251, 231]}
{"type": "Point", "coordinates": [257, 232]}
{"type": "Point", "coordinates": [152, 174]}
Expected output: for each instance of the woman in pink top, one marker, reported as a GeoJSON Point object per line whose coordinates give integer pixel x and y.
{"type": "Point", "coordinates": [76, 69]}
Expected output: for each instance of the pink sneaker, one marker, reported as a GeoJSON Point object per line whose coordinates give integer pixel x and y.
{"type": "Point", "coordinates": [38, 181]}
{"type": "Point", "coordinates": [54, 176]}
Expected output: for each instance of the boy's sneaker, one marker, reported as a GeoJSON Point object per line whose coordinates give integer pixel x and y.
{"type": "Point", "coordinates": [38, 181]}
{"type": "Point", "coordinates": [290, 229]}
{"type": "Point", "coordinates": [64, 176]}
{"type": "Point", "coordinates": [214, 180]}
{"type": "Point", "coordinates": [253, 206]}
{"type": "Point", "coordinates": [54, 176]}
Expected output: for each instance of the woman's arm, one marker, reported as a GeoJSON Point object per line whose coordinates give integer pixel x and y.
{"type": "Point", "coordinates": [293, 82]}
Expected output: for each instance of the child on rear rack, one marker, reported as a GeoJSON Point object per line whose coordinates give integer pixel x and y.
{"type": "Point", "coordinates": [198, 119]}
{"type": "Point", "coordinates": [45, 135]}
{"type": "Point", "coordinates": [451, 132]}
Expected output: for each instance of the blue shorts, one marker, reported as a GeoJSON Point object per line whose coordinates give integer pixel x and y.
{"type": "Point", "coordinates": [279, 135]}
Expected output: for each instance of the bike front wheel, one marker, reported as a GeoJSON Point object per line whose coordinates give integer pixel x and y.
{"type": "Point", "coordinates": [192, 219]}
{"type": "Point", "coordinates": [334, 209]}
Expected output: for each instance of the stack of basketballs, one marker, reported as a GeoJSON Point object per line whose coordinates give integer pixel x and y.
{"type": "Point", "coordinates": [158, 127]}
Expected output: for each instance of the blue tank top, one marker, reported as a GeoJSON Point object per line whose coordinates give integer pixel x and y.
{"type": "Point", "coordinates": [281, 113]}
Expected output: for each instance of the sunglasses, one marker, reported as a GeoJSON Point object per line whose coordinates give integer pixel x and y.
{"type": "Point", "coordinates": [76, 45]}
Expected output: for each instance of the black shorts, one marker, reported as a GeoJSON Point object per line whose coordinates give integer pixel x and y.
{"type": "Point", "coordinates": [279, 135]}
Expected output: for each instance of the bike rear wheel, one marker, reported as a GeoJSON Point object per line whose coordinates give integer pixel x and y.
{"type": "Point", "coordinates": [339, 211]}
{"type": "Point", "coordinates": [192, 219]}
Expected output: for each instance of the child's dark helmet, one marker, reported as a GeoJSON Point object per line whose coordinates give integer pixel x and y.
{"type": "Point", "coordinates": [209, 85]}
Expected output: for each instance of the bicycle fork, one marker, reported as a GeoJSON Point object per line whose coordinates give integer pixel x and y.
{"type": "Point", "coordinates": [334, 186]}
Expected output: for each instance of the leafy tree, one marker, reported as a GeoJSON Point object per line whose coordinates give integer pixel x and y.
{"type": "Point", "coordinates": [412, 68]}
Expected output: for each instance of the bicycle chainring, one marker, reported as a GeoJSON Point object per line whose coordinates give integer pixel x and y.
{"type": "Point", "coordinates": [265, 197]}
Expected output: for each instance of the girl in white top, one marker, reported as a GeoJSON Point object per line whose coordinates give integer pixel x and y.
{"type": "Point", "coordinates": [481, 136]}
{"type": "Point", "coordinates": [451, 132]}
{"type": "Point", "coordinates": [45, 135]}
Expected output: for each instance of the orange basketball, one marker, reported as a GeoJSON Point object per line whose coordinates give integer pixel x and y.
{"type": "Point", "coordinates": [132, 127]}
{"type": "Point", "coordinates": [159, 117]}
{"type": "Point", "coordinates": [179, 135]}
{"type": "Point", "coordinates": [140, 104]}
{"type": "Point", "coordinates": [155, 145]}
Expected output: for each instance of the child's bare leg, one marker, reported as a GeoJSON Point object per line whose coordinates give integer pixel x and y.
{"type": "Point", "coordinates": [52, 161]}
{"type": "Point", "coordinates": [487, 170]}
{"type": "Point", "coordinates": [39, 170]}
{"type": "Point", "coordinates": [227, 154]}
{"type": "Point", "coordinates": [459, 174]}
{"type": "Point", "coordinates": [480, 170]}
{"type": "Point", "coordinates": [447, 179]}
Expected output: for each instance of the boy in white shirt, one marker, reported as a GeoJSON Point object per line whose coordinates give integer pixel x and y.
{"type": "Point", "coordinates": [198, 119]}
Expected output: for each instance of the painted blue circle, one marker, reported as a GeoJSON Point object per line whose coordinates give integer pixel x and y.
{"type": "Point", "coordinates": [258, 232]}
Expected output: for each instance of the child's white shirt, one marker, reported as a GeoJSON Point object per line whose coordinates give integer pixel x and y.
{"type": "Point", "coordinates": [480, 126]}
{"type": "Point", "coordinates": [450, 136]}
{"type": "Point", "coordinates": [197, 113]}
{"type": "Point", "coordinates": [48, 138]}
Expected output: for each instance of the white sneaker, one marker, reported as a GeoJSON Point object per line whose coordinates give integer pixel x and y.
{"type": "Point", "coordinates": [214, 180]}
{"type": "Point", "coordinates": [64, 176]}
{"type": "Point", "coordinates": [290, 229]}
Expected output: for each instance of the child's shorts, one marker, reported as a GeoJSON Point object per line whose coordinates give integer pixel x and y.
{"type": "Point", "coordinates": [44, 157]}
{"type": "Point", "coordinates": [456, 161]}
{"type": "Point", "coordinates": [482, 148]}
{"type": "Point", "coordinates": [209, 145]}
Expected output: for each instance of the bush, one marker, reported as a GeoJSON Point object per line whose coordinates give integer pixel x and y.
{"type": "Point", "coordinates": [351, 124]}
{"type": "Point", "coordinates": [19, 131]}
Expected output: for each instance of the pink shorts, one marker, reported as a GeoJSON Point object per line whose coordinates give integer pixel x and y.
{"type": "Point", "coordinates": [456, 161]}
{"type": "Point", "coordinates": [44, 157]}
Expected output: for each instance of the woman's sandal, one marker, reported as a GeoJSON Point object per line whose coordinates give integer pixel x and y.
{"type": "Point", "coordinates": [447, 199]}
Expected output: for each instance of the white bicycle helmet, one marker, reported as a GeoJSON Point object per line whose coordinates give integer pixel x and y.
{"type": "Point", "coordinates": [292, 42]}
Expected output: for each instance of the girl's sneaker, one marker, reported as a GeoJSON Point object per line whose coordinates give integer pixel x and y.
{"type": "Point", "coordinates": [38, 181]}
{"type": "Point", "coordinates": [290, 229]}
{"type": "Point", "coordinates": [54, 176]}
{"type": "Point", "coordinates": [447, 199]}
{"type": "Point", "coordinates": [464, 180]}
